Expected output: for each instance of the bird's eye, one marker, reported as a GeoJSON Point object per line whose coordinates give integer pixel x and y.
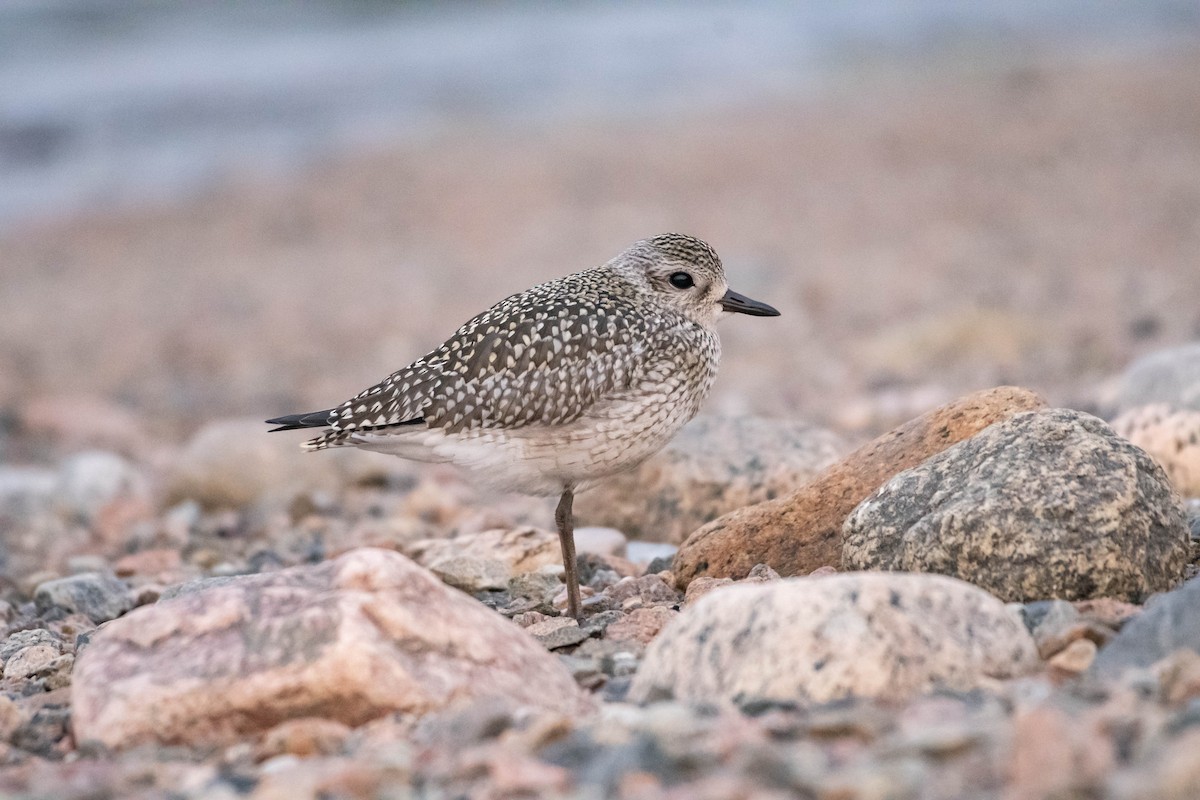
{"type": "Point", "coordinates": [681, 280]}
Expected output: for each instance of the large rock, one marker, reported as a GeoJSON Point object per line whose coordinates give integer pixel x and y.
{"type": "Point", "coordinates": [233, 463]}
{"type": "Point", "coordinates": [1048, 504]}
{"type": "Point", "coordinates": [351, 640]}
{"type": "Point", "coordinates": [714, 465]}
{"type": "Point", "coordinates": [1172, 436]}
{"type": "Point", "coordinates": [1167, 376]}
{"type": "Point", "coordinates": [802, 531]}
{"type": "Point", "coordinates": [1171, 622]}
{"type": "Point", "coordinates": [887, 636]}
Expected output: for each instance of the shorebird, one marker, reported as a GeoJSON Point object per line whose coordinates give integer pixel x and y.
{"type": "Point", "coordinates": [558, 386]}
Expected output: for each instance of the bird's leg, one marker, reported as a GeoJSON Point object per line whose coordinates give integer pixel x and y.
{"type": "Point", "coordinates": [566, 537]}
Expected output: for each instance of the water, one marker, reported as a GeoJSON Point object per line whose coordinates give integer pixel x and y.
{"type": "Point", "coordinates": [110, 102]}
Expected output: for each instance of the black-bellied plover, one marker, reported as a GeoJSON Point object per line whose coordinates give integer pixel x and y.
{"type": "Point", "coordinates": [560, 385]}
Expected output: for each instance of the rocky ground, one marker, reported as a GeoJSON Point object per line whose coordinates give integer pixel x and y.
{"type": "Point", "coordinates": [993, 598]}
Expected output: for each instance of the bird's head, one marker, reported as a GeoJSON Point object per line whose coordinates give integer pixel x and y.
{"type": "Point", "coordinates": [685, 273]}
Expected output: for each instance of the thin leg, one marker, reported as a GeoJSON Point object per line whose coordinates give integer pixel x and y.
{"type": "Point", "coordinates": [566, 537]}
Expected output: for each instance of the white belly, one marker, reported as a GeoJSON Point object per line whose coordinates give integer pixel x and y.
{"type": "Point", "coordinates": [542, 460]}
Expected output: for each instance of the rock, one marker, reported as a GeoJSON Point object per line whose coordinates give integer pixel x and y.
{"type": "Point", "coordinates": [352, 639]}
{"type": "Point", "coordinates": [1169, 623]}
{"type": "Point", "coordinates": [802, 531]}
{"type": "Point", "coordinates": [648, 590]}
{"type": "Point", "coordinates": [714, 465]}
{"type": "Point", "coordinates": [1069, 508]}
{"type": "Point", "coordinates": [702, 586]}
{"type": "Point", "coordinates": [640, 625]}
{"type": "Point", "coordinates": [97, 596]}
{"type": "Point", "coordinates": [1075, 658]}
{"type": "Point", "coordinates": [601, 541]}
{"type": "Point", "coordinates": [90, 481]}
{"type": "Point", "coordinates": [472, 574]}
{"type": "Point", "coordinates": [304, 737]}
{"type": "Point", "coordinates": [1171, 436]}
{"type": "Point", "coordinates": [522, 549]}
{"type": "Point", "coordinates": [1167, 376]}
{"type": "Point", "coordinates": [235, 463]}
{"type": "Point", "coordinates": [557, 632]}
{"type": "Point", "coordinates": [886, 636]}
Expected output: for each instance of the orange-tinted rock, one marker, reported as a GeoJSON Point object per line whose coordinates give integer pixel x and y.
{"type": "Point", "coordinates": [802, 531]}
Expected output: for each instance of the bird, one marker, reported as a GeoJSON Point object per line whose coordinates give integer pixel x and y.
{"type": "Point", "coordinates": [560, 386]}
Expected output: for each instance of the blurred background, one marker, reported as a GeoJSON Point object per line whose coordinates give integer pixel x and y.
{"type": "Point", "coordinates": [254, 208]}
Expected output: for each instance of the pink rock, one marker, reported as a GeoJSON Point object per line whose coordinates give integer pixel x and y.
{"type": "Point", "coordinates": [350, 640]}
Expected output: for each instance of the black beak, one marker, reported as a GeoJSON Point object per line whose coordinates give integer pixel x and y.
{"type": "Point", "coordinates": [740, 304]}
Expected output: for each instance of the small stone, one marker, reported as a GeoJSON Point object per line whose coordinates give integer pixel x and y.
{"type": "Point", "coordinates": [538, 586]}
{"type": "Point", "coordinates": [640, 625]}
{"type": "Point", "coordinates": [29, 661]}
{"type": "Point", "coordinates": [157, 562]}
{"type": "Point", "coordinates": [801, 531]}
{"type": "Point", "coordinates": [647, 590]}
{"type": "Point", "coordinates": [1075, 658]}
{"type": "Point", "coordinates": [557, 632]}
{"type": "Point", "coordinates": [472, 574]}
{"type": "Point", "coordinates": [305, 737]}
{"type": "Point", "coordinates": [702, 586]}
{"type": "Point", "coordinates": [29, 638]}
{"type": "Point", "coordinates": [884, 635]}
{"type": "Point", "coordinates": [100, 597]}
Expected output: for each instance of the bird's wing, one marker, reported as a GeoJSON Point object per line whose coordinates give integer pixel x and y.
{"type": "Point", "coordinates": [545, 356]}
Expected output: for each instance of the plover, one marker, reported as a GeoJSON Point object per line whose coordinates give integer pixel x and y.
{"type": "Point", "coordinates": [558, 386]}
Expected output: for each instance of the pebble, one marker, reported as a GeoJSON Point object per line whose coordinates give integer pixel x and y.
{"type": "Point", "coordinates": [98, 596]}
{"type": "Point", "coordinates": [471, 573]}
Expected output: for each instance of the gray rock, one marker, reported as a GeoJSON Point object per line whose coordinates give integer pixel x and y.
{"type": "Point", "coordinates": [1169, 622]}
{"type": "Point", "coordinates": [1049, 504]}
{"type": "Point", "coordinates": [472, 574]}
{"type": "Point", "coordinates": [714, 465]}
{"type": "Point", "coordinates": [1167, 376]}
{"type": "Point", "coordinates": [97, 596]}
{"type": "Point", "coordinates": [557, 632]}
{"type": "Point", "coordinates": [87, 482]}
{"type": "Point", "coordinates": [29, 638]}
{"type": "Point", "coordinates": [882, 635]}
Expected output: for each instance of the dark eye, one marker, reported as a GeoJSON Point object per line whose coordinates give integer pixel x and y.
{"type": "Point", "coordinates": [681, 280]}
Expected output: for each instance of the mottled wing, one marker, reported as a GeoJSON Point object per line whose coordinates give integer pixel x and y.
{"type": "Point", "coordinates": [544, 356]}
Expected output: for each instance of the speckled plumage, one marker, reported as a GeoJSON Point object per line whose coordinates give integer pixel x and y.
{"type": "Point", "coordinates": [561, 384]}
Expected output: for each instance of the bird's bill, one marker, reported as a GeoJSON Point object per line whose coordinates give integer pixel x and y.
{"type": "Point", "coordinates": [740, 304]}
